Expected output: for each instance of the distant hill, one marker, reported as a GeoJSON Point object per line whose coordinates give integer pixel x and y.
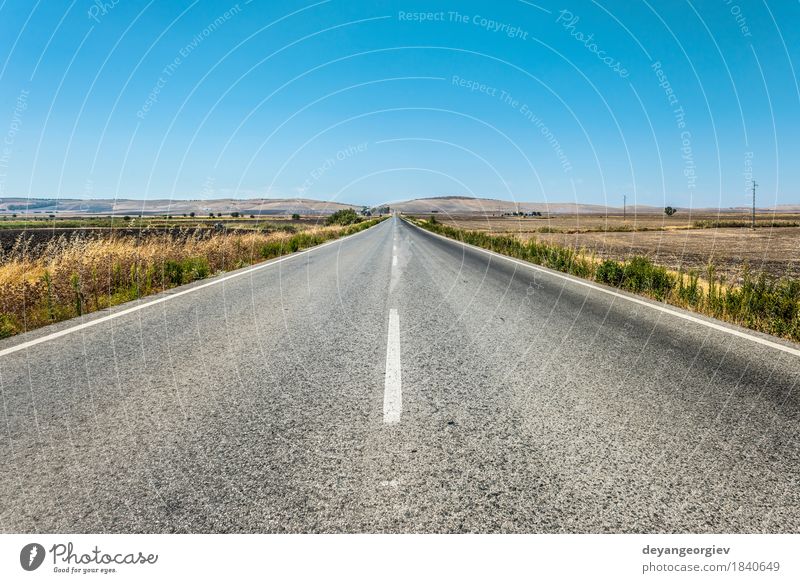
{"type": "Point", "coordinates": [122, 206]}
{"type": "Point", "coordinates": [454, 205]}
{"type": "Point", "coordinates": [463, 205]}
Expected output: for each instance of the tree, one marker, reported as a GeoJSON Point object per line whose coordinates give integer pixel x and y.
{"type": "Point", "coordinates": [235, 215]}
{"type": "Point", "coordinates": [295, 217]}
{"type": "Point", "coordinates": [669, 211]}
{"type": "Point", "coordinates": [191, 214]}
{"type": "Point", "coordinates": [343, 217]}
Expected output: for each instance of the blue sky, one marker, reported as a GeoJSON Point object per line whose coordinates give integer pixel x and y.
{"type": "Point", "coordinates": [367, 102]}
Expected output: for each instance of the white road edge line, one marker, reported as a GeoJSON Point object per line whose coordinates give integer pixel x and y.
{"type": "Point", "coordinates": [263, 265]}
{"type": "Point", "coordinates": [392, 389]}
{"type": "Point", "coordinates": [659, 307]}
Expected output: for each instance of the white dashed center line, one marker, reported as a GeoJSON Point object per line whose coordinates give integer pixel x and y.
{"type": "Point", "coordinates": [394, 260]}
{"type": "Point", "coordinates": [392, 391]}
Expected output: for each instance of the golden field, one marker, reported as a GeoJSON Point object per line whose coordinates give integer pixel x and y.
{"type": "Point", "coordinates": [753, 299]}
{"type": "Point", "coordinates": [674, 242]}
{"type": "Point", "coordinates": [74, 274]}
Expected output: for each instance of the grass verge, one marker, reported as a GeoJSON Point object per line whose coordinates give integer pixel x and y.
{"type": "Point", "coordinates": [72, 276]}
{"type": "Point", "coordinates": [757, 302]}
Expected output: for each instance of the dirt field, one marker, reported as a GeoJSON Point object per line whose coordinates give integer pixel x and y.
{"type": "Point", "coordinates": [669, 241]}
{"type": "Point", "coordinates": [39, 233]}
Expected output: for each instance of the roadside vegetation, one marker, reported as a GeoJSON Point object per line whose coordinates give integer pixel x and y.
{"type": "Point", "coordinates": [756, 301]}
{"type": "Point", "coordinates": [671, 220]}
{"type": "Point", "coordinates": [344, 217]}
{"type": "Point", "coordinates": [72, 275]}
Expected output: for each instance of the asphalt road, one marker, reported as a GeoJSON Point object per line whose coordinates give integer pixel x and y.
{"type": "Point", "coordinates": [496, 399]}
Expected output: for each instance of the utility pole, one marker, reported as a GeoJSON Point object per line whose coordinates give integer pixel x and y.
{"type": "Point", "coordinates": [624, 206]}
{"type": "Point", "coordinates": [753, 221]}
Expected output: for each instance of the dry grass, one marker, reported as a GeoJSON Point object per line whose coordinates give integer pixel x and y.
{"type": "Point", "coordinates": [670, 241]}
{"type": "Point", "coordinates": [770, 305]}
{"type": "Point", "coordinates": [599, 223]}
{"type": "Point", "coordinates": [73, 275]}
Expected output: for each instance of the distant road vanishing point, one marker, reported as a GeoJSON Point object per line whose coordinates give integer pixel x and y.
{"type": "Point", "coordinates": [394, 381]}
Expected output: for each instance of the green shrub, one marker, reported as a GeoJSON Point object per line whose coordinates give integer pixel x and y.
{"type": "Point", "coordinates": [271, 249]}
{"type": "Point", "coordinates": [196, 268]}
{"type": "Point", "coordinates": [7, 327]}
{"type": "Point", "coordinates": [640, 275]}
{"type": "Point", "coordinates": [610, 272]}
{"type": "Point", "coordinates": [179, 272]}
{"type": "Point", "coordinates": [173, 272]}
{"type": "Point", "coordinates": [75, 281]}
{"type": "Point", "coordinates": [343, 217]}
{"type": "Point", "coordinates": [688, 290]}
